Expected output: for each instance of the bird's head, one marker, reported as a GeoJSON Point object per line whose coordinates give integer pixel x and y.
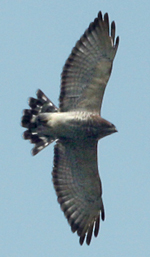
{"type": "Point", "coordinates": [106, 128]}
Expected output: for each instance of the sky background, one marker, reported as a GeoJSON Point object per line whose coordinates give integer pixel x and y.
{"type": "Point", "coordinates": [36, 38]}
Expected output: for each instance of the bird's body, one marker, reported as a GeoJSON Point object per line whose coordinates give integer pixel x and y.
{"type": "Point", "coordinates": [76, 126]}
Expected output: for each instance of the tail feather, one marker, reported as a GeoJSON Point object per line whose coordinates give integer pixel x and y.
{"type": "Point", "coordinates": [35, 130]}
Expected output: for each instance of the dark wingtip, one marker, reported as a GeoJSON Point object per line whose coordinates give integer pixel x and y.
{"type": "Point", "coordinates": [106, 17]}
{"type": "Point", "coordinates": [89, 235]}
{"type": "Point", "coordinates": [117, 41]}
{"type": "Point", "coordinates": [81, 240]}
{"type": "Point", "coordinates": [100, 15]}
{"type": "Point", "coordinates": [113, 31]}
{"type": "Point", "coordinates": [113, 26]}
{"type": "Point", "coordinates": [96, 230]}
{"type": "Point", "coordinates": [103, 215]}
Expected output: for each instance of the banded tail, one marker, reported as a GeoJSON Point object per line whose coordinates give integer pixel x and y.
{"type": "Point", "coordinates": [35, 127]}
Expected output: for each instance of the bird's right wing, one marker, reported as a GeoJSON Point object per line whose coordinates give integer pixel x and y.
{"type": "Point", "coordinates": [78, 186]}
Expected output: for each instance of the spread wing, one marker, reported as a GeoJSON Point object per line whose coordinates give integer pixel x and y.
{"type": "Point", "coordinates": [78, 186]}
{"type": "Point", "coordinates": [88, 67]}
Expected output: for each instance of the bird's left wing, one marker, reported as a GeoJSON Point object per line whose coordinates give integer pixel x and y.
{"type": "Point", "coordinates": [88, 67]}
{"type": "Point", "coordinates": [78, 186]}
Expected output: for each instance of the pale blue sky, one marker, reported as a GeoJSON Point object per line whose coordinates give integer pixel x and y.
{"type": "Point", "coordinates": [36, 38]}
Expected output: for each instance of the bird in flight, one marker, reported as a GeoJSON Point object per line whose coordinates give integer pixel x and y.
{"type": "Point", "coordinates": [76, 126]}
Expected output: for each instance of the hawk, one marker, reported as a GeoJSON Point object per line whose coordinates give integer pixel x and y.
{"type": "Point", "coordinates": [76, 126]}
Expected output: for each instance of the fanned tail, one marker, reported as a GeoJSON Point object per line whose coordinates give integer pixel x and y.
{"type": "Point", "coordinates": [35, 127]}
